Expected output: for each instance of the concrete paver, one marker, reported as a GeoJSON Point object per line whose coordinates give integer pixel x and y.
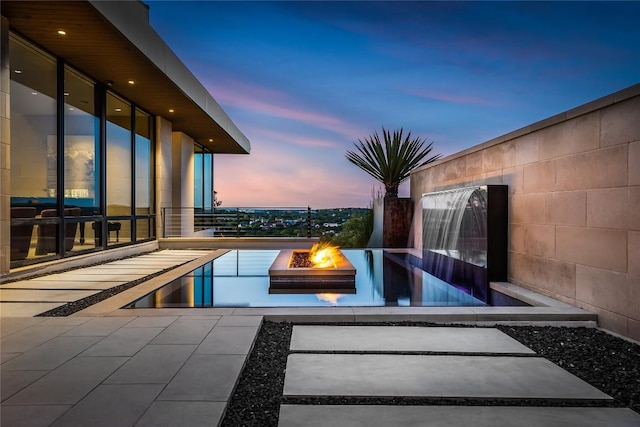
{"type": "Point", "coordinates": [403, 339]}
{"type": "Point", "coordinates": [154, 364]}
{"type": "Point", "coordinates": [228, 340]}
{"type": "Point", "coordinates": [23, 295]}
{"type": "Point", "coordinates": [69, 383]}
{"type": "Point", "coordinates": [186, 331]}
{"type": "Point", "coordinates": [27, 309]}
{"type": "Point", "coordinates": [111, 405]}
{"type": "Point", "coordinates": [50, 355]}
{"type": "Point", "coordinates": [123, 342]}
{"type": "Point", "coordinates": [31, 416]}
{"type": "Point", "coordinates": [431, 376]}
{"type": "Point", "coordinates": [180, 414]}
{"type": "Point", "coordinates": [453, 416]}
{"type": "Point", "coordinates": [205, 378]}
{"type": "Point", "coordinates": [64, 284]}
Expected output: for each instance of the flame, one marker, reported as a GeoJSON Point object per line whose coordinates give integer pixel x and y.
{"type": "Point", "coordinates": [323, 255]}
{"type": "Point", "coordinates": [330, 298]}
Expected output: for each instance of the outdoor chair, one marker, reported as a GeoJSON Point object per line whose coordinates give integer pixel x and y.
{"type": "Point", "coordinates": [47, 232]}
{"type": "Point", "coordinates": [21, 233]}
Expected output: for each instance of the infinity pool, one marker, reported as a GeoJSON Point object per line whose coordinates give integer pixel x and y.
{"type": "Point", "coordinates": [240, 278]}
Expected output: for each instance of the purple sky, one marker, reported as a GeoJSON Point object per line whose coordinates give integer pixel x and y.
{"type": "Point", "coordinates": [304, 80]}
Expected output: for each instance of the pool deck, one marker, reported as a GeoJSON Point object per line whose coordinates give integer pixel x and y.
{"type": "Point", "coordinates": [180, 366]}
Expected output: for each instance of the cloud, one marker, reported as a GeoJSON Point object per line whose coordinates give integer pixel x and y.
{"type": "Point", "coordinates": [270, 102]}
{"type": "Point", "coordinates": [452, 97]}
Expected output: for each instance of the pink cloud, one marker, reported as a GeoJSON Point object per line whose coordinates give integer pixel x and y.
{"type": "Point", "coordinates": [270, 102]}
{"type": "Point", "coordinates": [263, 134]}
{"type": "Point", "coordinates": [451, 97]}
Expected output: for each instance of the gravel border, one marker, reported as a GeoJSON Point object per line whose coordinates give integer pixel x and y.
{"type": "Point", "coordinates": [609, 363]}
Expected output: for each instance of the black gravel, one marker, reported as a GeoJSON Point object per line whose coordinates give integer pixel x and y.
{"type": "Point", "coordinates": [73, 307]}
{"type": "Point", "coordinates": [608, 363]}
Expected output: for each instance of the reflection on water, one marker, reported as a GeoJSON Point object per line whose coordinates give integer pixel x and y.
{"type": "Point", "coordinates": [240, 278]}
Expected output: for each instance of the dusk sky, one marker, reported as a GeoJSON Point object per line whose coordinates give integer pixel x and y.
{"type": "Point", "coordinates": [304, 80]}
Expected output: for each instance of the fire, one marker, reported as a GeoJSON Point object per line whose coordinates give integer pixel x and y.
{"type": "Point", "coordinates": [323, 255]}
{"type": "Point", "coordinates": [330, 298]}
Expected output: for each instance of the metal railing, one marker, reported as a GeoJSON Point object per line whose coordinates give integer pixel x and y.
{"type": "Point", "coordinates": [237, 222]}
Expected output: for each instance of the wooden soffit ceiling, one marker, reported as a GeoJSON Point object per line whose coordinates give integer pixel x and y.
{"type": "Point", "coordinates": [95, 46]}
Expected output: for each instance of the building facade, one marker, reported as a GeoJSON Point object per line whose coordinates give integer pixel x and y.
{"type": "Point", "coordinates": [102, 127]}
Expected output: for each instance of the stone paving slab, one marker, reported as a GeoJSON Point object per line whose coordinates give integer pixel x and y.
{"type": "Point", "coordinates": [81, 276]}
{"type": "Point", "coordinates": [453, 416]}
{"type": "Point", "coordinates": [32, 415]}
{"type": "Point", "coordinates": [27, 295]}
{"type": "Point", "coordinates": [432, 376]}
{"type": "Point", "coordinates": [400, 338]}
{"type": "Point", "coordinates": [64, 284]}
{"type": "Point", "coordinates": [27, 309]}
{"type": "Point", "coordinates": [111, 405]}
{"type": "Point", "coordinates": [180, 414]}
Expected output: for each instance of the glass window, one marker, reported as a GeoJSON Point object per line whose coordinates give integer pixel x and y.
{"type": "Point", "coordinates": [34, 150]}
{"type": "Point", "coordinates": [119, 179]}
{"type": "Point", "coordinates": [143, 164]}
{"type": "Point", "coordinates": [144, 174]}
{"type": "Point", "coordinates": [81, 157]}
{"type": "Point", "coordinates": [208, 180]}
{"type": "Point", "coordinates": [198, 179]}
{"type": "Point", "coordinates": [203, 178]}
{"type": "Point", "coordinates": [81, 144]}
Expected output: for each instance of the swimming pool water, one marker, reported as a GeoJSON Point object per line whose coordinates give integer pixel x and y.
{"type": "Point", "coordinates": [240, 278]}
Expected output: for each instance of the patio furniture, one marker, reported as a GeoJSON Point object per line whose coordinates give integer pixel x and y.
{"type": "Point", "coordinates": [21, 233]}
{"type": "Point", "coordinates": [47, 232]}
{"type": "Point", "coordinates": [111, 226]}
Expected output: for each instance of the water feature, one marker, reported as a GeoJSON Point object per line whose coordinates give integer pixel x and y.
{"type": "Point", "coordinates": [464, 237]}
{"type": "Point", "coordinates": [240, 278]}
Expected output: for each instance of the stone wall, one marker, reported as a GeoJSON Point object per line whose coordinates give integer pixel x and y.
{"type": "Point", "coordinates": [5, 141]}
{"type": "Point", "coordinates": [574, 185]}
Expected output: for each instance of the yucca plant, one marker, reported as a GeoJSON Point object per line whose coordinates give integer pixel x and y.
{"type": "Point", "coordinates": [391, 161]}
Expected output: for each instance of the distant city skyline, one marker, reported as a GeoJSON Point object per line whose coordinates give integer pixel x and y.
{"type": "Point", "coordinates": [304, 80]}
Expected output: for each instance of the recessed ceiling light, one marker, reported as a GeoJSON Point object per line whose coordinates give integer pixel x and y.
{"type": "Point", "coordinates": [66, 94]}
{"type": "Point", "coordinates": [210, 139]}
{"type": "Point", "coordinates": [118, 109]}
{"type": "Point", "coordinates": [34, 93]}
{"type": "Point", "coordinates": [71, 109]}
{"type": "Point", "coordinates": [62, 32]}
{"type": "Point", "coordinates": [18, 71]}
{"type": "Point", "coordinates": [171, 110]}
{"type": "Point", "coordinates": [131, 82]}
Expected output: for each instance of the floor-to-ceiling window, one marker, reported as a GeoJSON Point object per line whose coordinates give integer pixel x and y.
{"type": "Point", "coordinates": [203, 178]}
{"type": "Point", "coordinates": [81, 161]}
{"type": "Point", "coordinates": [34, 152]}
{"type": "Point", "coordinates": [143, 176]}
{"type": "Point", "coordinates": [119, 169]}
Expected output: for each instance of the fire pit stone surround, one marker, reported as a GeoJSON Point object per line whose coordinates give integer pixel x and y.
{"type": "Point", "coordinates": [285, 278]}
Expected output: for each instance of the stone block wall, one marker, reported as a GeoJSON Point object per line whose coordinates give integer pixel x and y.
{"type": "Point", "coordinates": [5, 141]}
{"type": "Point", "coordinates": [574, 209]}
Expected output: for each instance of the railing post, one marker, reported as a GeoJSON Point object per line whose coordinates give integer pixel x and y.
{"type": "Point", "coordinates": [308, 222]}
{"type": "Point", "coordinates": [237, 222]}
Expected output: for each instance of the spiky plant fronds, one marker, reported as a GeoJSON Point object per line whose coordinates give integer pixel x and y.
{"type": "Point", "coordinates": [391, 161]}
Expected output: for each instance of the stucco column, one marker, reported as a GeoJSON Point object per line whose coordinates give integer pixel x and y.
{"type": "Point", "coordinates": [183, 182]}
{"type": "Point", "coordinates": [163, 170]}
{"type": "Point", "coordinates": [5, 145]}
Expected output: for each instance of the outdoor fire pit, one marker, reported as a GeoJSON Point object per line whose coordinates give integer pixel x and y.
{"type": "Point", "coordinates": [310, 271]}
